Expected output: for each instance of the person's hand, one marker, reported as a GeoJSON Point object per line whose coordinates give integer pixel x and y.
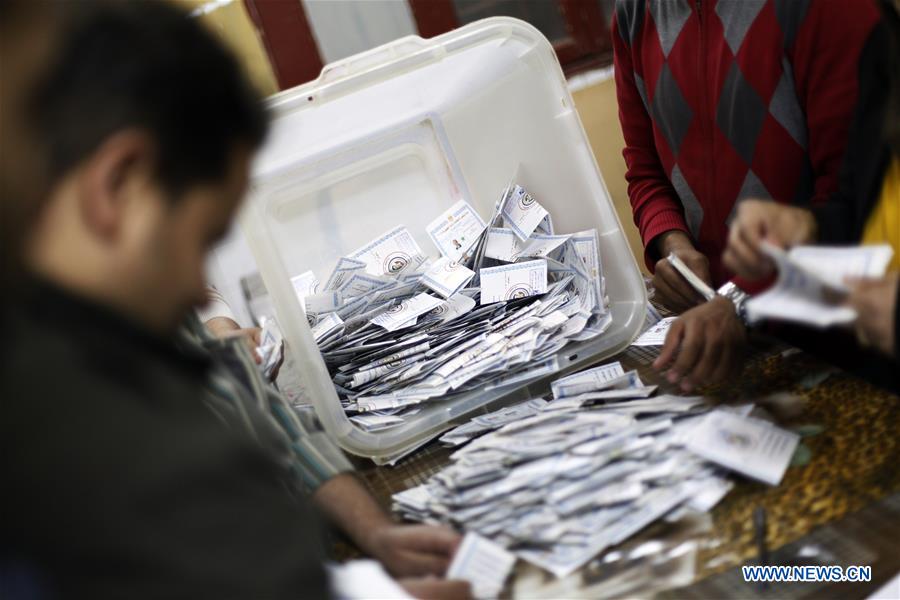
{"type": "Point", "coordinates": [875, 301]}
{"type": "Point", "coordinates": [430, 588]}
{"type": "Point", "coordinates": [413, 550]}
{"type": "Point", "coordinates": [671, 288]}
{"type": "Point", "coordinates": [758, 220]}
{"type": "Point", "coordinates": [223, 327]}
{"type": "Point", "coordinates": [704, 345]}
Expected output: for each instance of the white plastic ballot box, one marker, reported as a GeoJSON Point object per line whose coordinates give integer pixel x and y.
{"type": "Point", "coordinates": [395, 136]}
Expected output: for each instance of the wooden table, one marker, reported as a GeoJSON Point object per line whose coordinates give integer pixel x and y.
{"type": "Point", "coordinates": [852, 463]}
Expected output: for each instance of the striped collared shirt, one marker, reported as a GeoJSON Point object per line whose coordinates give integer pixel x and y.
{"type": "Point", "coordinates": [240, 394]}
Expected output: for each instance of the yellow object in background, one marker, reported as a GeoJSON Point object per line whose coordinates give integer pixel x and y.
{"type": "Point", "coordinates": [883, 226]}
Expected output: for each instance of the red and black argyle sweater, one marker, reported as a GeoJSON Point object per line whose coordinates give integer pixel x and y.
{"type": "Point", "coordinates": [732, 99]}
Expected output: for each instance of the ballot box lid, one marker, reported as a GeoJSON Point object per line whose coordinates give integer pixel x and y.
{"type": "Point", "coordinates": [395, 136]}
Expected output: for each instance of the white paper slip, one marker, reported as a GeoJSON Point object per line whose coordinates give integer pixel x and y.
{"type": "Point", "coordinates": [304, 285]}
{"type": "Point", "coordinates": [521, 212]}
{"type": "Point", "coordinates": [501, 244]}
{"type": "Point", "coordinates": [363, 579]}
{"type": "Point", "coordinates": [271, 346]}
{"type": "Point", "coordinates": [360, 284]}
{"type": "Point", "coordinates": [832, 264]}
{"type": "Point", "coordinates": [390, 254]}
{"type": "Point", "coordinates": [805, 276]}
{"type": "Point", "coordinates": [546, 225]}
{"type": "Point", "coordinates": [783, 305]}
{"type": "Point", "coordinates": [540, 245]}
{"type": "Point", "coordinates": [363, 377]}
{"type": "Point", "coordinates": [749, 446]}
{"type": "Point", "coordinates": [415, 496]}
{"type": "Point", "coordinates": [342, 271]}
{"type": "Point", "coordinates": [799, 295]}
{"type": "Point", "coordinates": [396, 399]}
{"type": "Point", "coordinates": [588, 249]}
{"type": "Point", "coordinates": [482, 563]}
{"type": "Point", "coordinates": [698, 284]}
{"type": "Point", "coordinates": [592, 379]}
{"type": "Point", "coordinates": [590, 398]}
{"type": "Point", "coordinates": [504, 244]}
{"type": "Point", "coordinates": [446, 277]}
{"type": "Point", "coordinates": [511, 282]}
{"type": "Point", "coordinates": [408, 310]}
{"type": "Point", "coordinates": [327, 325]}
{"type": "Point", "coordinates": [709, 492]}
{"type": "Point", "coordinates": [456, 230]}
{"type": "Point", "coordinates": [322, 302]}
{"type": "Point", "coordinates": [889, 591]}
{"type": "Point", "coordinates": [455, 306]}
{"type": "Point", "coordinates": [653, 317]}
{"type": "Point", "coordinates": [373, 422]}
{"type": "Point", "coordinates": [656, 335]}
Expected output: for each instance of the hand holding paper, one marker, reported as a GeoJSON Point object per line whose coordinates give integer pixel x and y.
{"type": "Point", "coordinates": [671, 287]}
{"type": "Point", "coordinates": [757, 220]}
{"type": "Point", "coordinates": [811, 278]}
{"type": "Point", "coordinates": [875, 302]}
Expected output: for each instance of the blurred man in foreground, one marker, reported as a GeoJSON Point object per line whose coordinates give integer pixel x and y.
{"type": "Point", "coordinates": [133, 467]}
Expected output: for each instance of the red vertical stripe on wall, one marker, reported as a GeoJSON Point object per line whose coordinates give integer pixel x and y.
{"type": "Point", "coordinates": [288, 39]}
{"type": "Point", "coordinates": [433, 17]}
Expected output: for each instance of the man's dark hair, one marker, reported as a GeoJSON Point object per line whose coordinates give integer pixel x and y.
{"type": "Point", "coordinates": [145, 64]}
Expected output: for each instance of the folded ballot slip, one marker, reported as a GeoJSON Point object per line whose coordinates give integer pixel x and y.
{"type": "Point", "coordinates": [513, 282]}
{"type": "Point", "coordinates": [456, 230]}
{"type": "Point", "coordinates": [402, 314]}
{"type": "Point", "coordinates": [304, 285]}
{"type": "Point", "coordinates": [504, 244]}
{"type": "Point", "coordinates": [483, 563]}
{"type": "Point", "coordinates": [391, 254]}
{"type": "Point", "coordinates": [749, 446]}
{"type": "Point", "coordinates": [447, 276]}
{"type": "Point", "coordinates": [656, 334]}
{"type": "Point", "coordinates": [591, 380]}
{"type": "Point", "coordinates": [271, 347]}
{"type": "Point", "coordinates": [521, 212]}
{"type": "Point", "coordinates": [345, 268]}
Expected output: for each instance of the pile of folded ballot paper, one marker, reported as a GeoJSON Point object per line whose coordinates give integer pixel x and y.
{"type": "Point", "coordinates": [397, 328]}
{"type": "Point", "coordinates": [559, 481]}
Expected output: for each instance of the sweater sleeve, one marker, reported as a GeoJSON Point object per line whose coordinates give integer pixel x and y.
{"type": "Point", "coordinates": [825, 76]}
{"type": "Point", "coordinates": [654, 203]}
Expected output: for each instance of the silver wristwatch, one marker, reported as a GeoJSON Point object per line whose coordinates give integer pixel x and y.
{"type": "Point", "coordinates": [738, 297]}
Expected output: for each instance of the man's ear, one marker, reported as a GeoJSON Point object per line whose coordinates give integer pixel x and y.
{"type": "Point", "coordinates": [123, 165]}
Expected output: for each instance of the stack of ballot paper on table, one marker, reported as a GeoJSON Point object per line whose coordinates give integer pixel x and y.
{"type": "Point", "coordinates": [397, 328]}
{"type": "Point", "coordinates": [557, 482]}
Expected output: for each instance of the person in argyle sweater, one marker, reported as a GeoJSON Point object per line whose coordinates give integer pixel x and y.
{"type": "Point", "coordinates": [721, 101]}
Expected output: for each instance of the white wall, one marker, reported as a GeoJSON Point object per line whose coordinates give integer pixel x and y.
{"type": "Point", "coordinates": [343, 28]}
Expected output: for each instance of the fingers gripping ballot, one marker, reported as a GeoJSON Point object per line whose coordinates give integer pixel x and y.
{"type": "Point", "coordinates": [672, 288]}
{"type": "Point", "coordinates": [757, 221]}
{"type": "Point", "coordinates": [703, 345]}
